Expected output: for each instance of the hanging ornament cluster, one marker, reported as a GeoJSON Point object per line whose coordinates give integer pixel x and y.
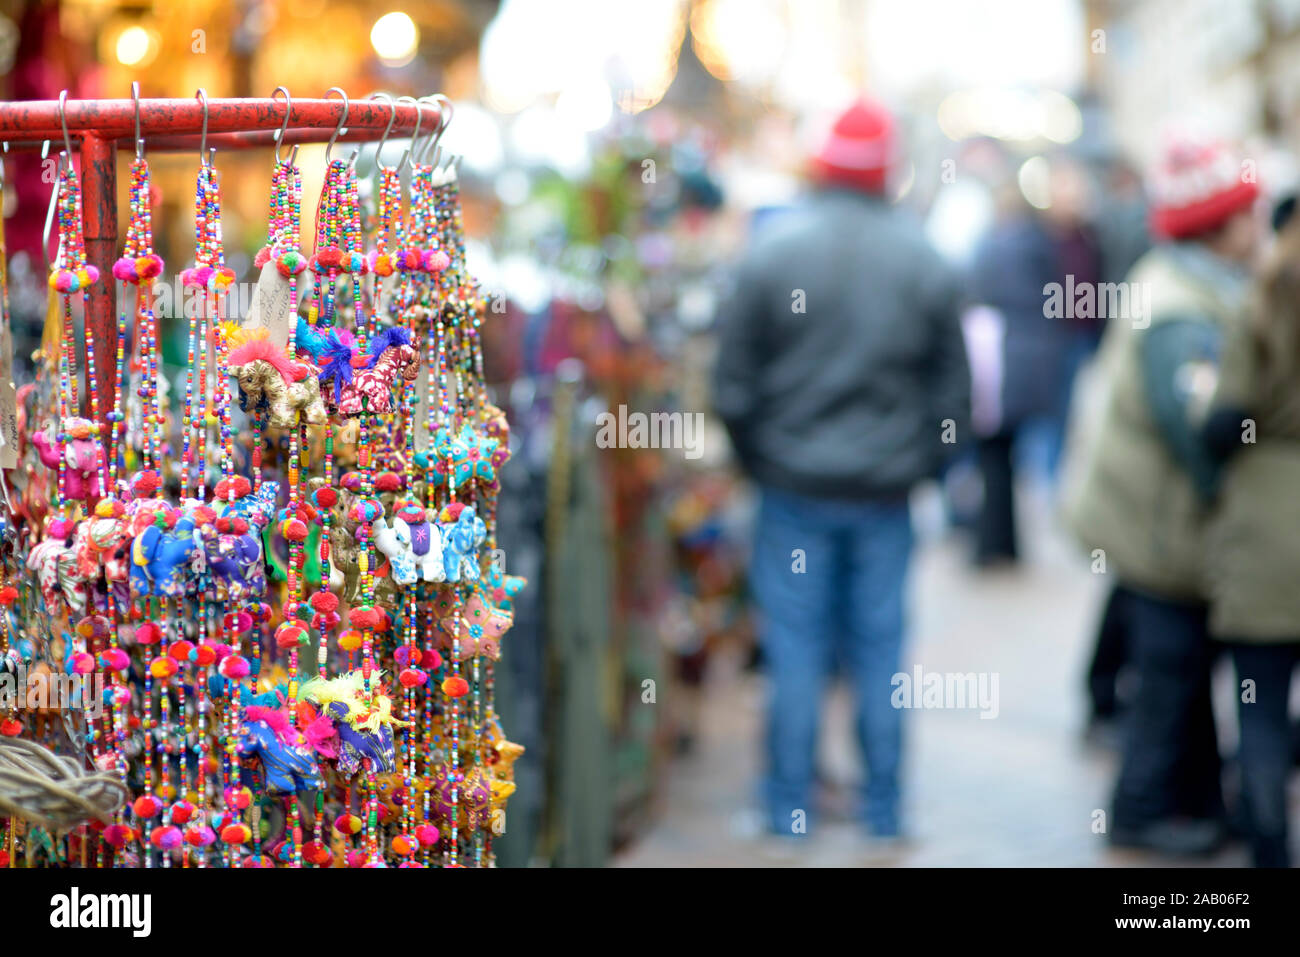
{"type": "Point", "coordinates": [284, 591]}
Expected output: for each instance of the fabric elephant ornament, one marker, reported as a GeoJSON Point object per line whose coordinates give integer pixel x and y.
{"type": "Point", "coordinates": [59, 574]}
{"type": "Point", "coordinates": [364, 722]}
{"type": "Point", "coordinates": [80, 451]}
{"type": "Point", "coordinates": [413, 545]}
{"type": "Point", "coordinates": [162, 558]}
{"type": "Point", "coordinates": [372, 375]}
{"type": "Point", "coordinates": [462, 534]}
{"type": "Point", "coordinates": [287, 388]}
{"type": "Point", "coordinates": [288, 760]}
{"type": "Point", "coordinates": [101, 542]}
{"type": "Point", "coordinates": [233, 554]}
{"type": "Point", "coordinates": [236, 499]}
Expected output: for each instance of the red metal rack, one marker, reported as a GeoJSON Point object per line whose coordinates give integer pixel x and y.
{"type": "Point", "coordinates": [100, 127]}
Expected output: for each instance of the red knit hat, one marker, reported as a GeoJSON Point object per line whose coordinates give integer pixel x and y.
{"type": "Point", "coordinates": [859, 150]}
{"type": "Point", "coordinates": [1197, 186]}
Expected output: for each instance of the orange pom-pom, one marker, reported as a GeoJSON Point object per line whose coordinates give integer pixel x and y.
{"type": "Point", "coordinates": [236, 834]}
{"type": "Point", "coordinates": [455, 686]}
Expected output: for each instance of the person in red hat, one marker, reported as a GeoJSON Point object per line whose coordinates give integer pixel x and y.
{"type": "Point", "coordinates": [1149, 480]}
{"type": "Point", "coordinates": [842, 379]}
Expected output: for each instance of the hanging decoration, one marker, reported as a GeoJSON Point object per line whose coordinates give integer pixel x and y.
{"type": "Point", "coordinates": [280, 597]}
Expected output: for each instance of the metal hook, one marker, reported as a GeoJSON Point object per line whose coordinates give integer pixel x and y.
{"type": "Point", "coordinates": [139, 143]}
{"type": "Point", "coordinates": [415, 137]}
{"type": "Point", "coordinates": [340, 129]}
{"type": "Point", "coordinates": [392, 118]}
{"type": "Point", "coordinates": [203, 142]}
{"type": "Point", "coordinates": [445, 112]}
{"type": "Point", "coordinates": [284, 127]}
{"type": "Point", "coordinates": [63, 121]}
{"type": "Point", "coordinates": [49, 214]}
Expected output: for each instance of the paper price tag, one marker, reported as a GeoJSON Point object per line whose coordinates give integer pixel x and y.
{"type": "Point", "coordinates": [270, 307]}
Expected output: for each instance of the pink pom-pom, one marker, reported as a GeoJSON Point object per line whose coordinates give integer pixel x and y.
{"type": "Point", "coordinates": [262, 258]}
{"type": "Point", "coordinates": [435, 260]}
{"type": "Point", "coordinates": [149, 266]}
{"type": "Point", "coordinates": [234, 667]}
{"type": "Point", "coordinates": [124, 270]}
{"type": "Point", "coordinates": [115, 659]}
{"type": "Point", "coordinates": [66, 281]}
{"type": "Point", "coordinates": [61, 528]}
{"type": "Point", "coordinates": [92, 272]}
{"type": "Point", "coordinates": [427, 835]}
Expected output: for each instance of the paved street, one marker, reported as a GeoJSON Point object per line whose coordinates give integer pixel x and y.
{"type": "Point", "coordinates": [1018, 790]}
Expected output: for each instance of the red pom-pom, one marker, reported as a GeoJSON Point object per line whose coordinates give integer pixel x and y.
{"type": "Point", "coordinates": [430, 660]}
{"type": "Point", "coordinates": [412, 677]}
{"type": "Point", "coordinates": [326, 497]}
{"type": "Point", "coordinates": [364, 618]}
{"type": "Point", "coordinates": [7, 595]}
{"type": "Point", "coordinates": [180, 650]}
{"type": "Point", "coordinates": [324, 601]}
{"type": "Point", "coordinates": [204, 515]}
{"type": "Point", "coordinates": [294, 530]}
{"type": "Point", "coordinates": [237, 486]}
{"type": "Point", "coordinates": [289, 635]}
{"type": "Point", "coordinates": [388, 482]}
{"type": "Point", "coordinates": [11, 727]}
{"type": "Point", "coordinates": [146, 807]}
{"type": "Point", "coordinates": [203, 655]}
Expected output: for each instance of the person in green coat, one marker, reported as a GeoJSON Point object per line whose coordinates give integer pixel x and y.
{"type": "Point", "coordinates": [1253, 536]}
{"type": "Point", "coordinates": [1148, 482]}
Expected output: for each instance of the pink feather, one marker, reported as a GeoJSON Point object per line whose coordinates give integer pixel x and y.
{"type": "Point", "coordinates": [263, 349]}
{"type": "Point", "coordinates": [278, 721]}
{"type": "Point", "coordinates": [320, 734]}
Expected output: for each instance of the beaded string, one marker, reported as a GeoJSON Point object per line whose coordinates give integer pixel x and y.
{"type": "Point", "coordinates": [71, 276]}
{"type": "Point", "coordinates": [139, 266]}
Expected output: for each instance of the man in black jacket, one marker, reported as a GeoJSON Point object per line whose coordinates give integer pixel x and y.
{"type": "Point", "coordinates": [842, 379]}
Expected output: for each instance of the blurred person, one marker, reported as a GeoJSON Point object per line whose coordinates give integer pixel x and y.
{"type": "Point", "coordinates": [1078, 256]}
{"type": "Point", "coordinates": [1123, 237]}
{"type": "Point", "coordinates": [1148, 479]}
{"type": "Point", "coordinates": [836, 412]}
{"type": "Point", "coordinates": [1254, 536]}
{"type": "Point", "coordinates": [1014, 264]}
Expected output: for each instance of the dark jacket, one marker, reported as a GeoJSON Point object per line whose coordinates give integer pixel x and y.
{"type": "Point", "coordinates": [1013, 264]}
{"type": "Point", "coordinates": [841, 370]}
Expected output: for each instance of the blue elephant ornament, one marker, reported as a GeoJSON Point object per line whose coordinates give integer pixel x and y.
{"type": "Point", "coordinates": [462, 534]}
{"type": "Point", "coordinates": [289, 764]}
{"type": "Point", "coordinates": [161, 559]}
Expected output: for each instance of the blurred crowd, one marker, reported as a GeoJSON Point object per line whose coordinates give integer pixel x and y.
{"type": "Point", "coordinates": [865, 350]}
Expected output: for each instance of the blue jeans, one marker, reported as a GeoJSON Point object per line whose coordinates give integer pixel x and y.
{"type": "Point", "coordinates": [828, 578]}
